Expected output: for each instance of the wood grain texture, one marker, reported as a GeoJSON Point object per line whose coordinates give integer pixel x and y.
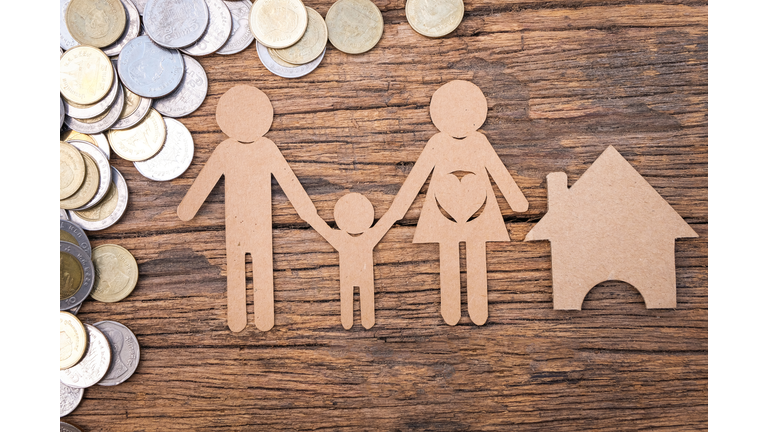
{"type": "Point", "coordinates": [564, 80]}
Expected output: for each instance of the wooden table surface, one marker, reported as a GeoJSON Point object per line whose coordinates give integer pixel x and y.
{"type": "Point", "coordinates": [564, 80]}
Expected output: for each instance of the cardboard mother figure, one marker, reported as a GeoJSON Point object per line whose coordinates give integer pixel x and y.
{"type": "Point", "coordinates": [460, 205]}
{"type": "Point", "coordinates": [248, 161]}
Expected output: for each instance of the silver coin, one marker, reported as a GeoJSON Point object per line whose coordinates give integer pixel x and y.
{"type": "Point", "coordinates": [149, 70]}
{"type": "Point", "coordinates": [66, 427]}
{"type": "Point", "coordinates": [66, 41]}
{"type": "Point", "coordinates": [240, 36]}
{"type": "Point", "coordinates": [88, 273]}
{"type": "Point", "coordinates": [175, 23]}
{"type": "Point", "coordinates": [105, 174]}
{"type": "Point", "coordinates": [94, 364]}
{"type": "Point", "coordinates": [140, 4]}
{"type": "Point", "coordinates": [282, 71]}
{"type": "Point", "coordinates": [189, 95]}
{"type": "Point", "coordinates": [121, 189]}
{"type": "Point", "coordinates": [62, 112]}
{"type": "Point", "coordinates": [125, 352]}
{"type": "Point", "coordinates": [217, 33]}
{"type": "Point", "coordinates": [75, 231]}
{"type": "Point", "coordinates": [102, 123]}
{"type": "Point", "coordinates": [69, 398]}
{"type": "Point", "coordinates": [175, 156]}
{"type": "Point", "coordinates": [63, 215]}
{"type": "Point", "coordinates": [132, 23]}
{"type": "Point", "coordinates": [138, 115]}
{"type": "Point", "coordinates": [102, 143]}
{"type": "Point", "coordinates": [93, 110]}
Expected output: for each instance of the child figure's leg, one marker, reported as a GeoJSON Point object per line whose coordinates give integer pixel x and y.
{"type": "Point", "coordinates": [236, 313]}
{"type": "Point", "coordinates": [347, 295]}
{"type": "Point", "coordinates": [367, 309]}
{"type": "Point", "coordinates": [263, 286]}
{"type": "Point", "coordinates": [477, 282]}
{"type": "Point", "coordinates": [450, 283]}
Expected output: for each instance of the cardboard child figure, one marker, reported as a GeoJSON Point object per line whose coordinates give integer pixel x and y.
{"type": "Point", "coordinates": [248, 161]}
{"type": "Point", "coordinates": [460, 205]}
{"type": "Point", "coordinates": [355, 241]}
{"type": "Point", "coordinates": [610, 225]}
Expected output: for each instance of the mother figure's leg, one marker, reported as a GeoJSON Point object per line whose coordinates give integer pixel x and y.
{"type": "Point", "coordinates": [477, 282]}
{"type": "Point", "coordinates": [450, 283]}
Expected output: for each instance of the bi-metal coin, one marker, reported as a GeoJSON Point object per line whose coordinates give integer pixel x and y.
{"type": "Point", "coordinates": [76, 275]}
{"type": "Point", "coordinates": [125, 352]}
{"type": "Point", "coordinates": [94, 364]}
{"type": "Point", "coordinates": [72, 233]}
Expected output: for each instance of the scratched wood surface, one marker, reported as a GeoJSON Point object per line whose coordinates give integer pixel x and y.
{"type": "Point", "coordinates": [563, 79]}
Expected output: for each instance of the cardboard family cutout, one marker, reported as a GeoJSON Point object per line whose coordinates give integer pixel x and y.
{"type": "Point", "coordinates": [460, 205]}
{"type": "Point", "coordinates": [610, 225]}
{"type": "Point", "coordinates": [355, 240]}
{"type": "Point", "coordinates": [247, 160]}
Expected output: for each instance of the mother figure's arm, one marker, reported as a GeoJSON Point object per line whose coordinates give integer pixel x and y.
{"type": "Point", "coordinates": [504, 180]}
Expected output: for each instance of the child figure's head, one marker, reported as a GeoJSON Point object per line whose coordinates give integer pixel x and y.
{"type": "Point", "coordinates": [458, 108]}
{"type": "Point", "coordinates": [353, 213]}
{"type": "Point", "coordinates": [244, 113]}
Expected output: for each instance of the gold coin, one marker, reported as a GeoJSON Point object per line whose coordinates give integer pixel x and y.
{"type": "Point", "coordinates": [116, 273]}
{"type": "Point", "coordinates": [132, 101]}
{"type": "Point", "coordinates": [104, 208]}
{"type": "Point", "coordinates": [434, 18]}
{"type": "Point", "coordinates": [73, 135]}
{"type": "Point", "coordinates": [354, 26]}
{"type": "Point", "coordinates": [87, 190]}
{"type": "Point", "coordinates": [85, 75]}
{"type": "Point", "coordinates": [67, 237]}
{"type": "Point", "coordinates": [97, 23]}
{"type": "Point", "coordinates": [72, 340]}
{"type": "Point", "coordinates": [278, 23]}
{"type": "Point", "coordinates": [70, 275]}
{"type": "Point", "coordinates": [140, 142]}
{"type": "Point", "coordinates": [71, 170]}
{"type": "Point", "coordinates": [278, 60]}
{"type": "Point", "coordinates": [311, 45]}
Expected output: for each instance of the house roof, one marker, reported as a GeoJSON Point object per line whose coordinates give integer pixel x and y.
{"type": "Point", "coordinates": [610, 198]}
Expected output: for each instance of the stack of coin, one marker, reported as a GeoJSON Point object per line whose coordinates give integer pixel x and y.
{"type": "Point", "coordinates": [290, 37]}
{"type": "Point", "coordinates": [434, 18]}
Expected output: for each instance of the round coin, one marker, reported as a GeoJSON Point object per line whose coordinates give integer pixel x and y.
{"type": "Point", "coordinates": [139, 142]}
{"type": "Point", "coordinates": [134, 110]}
{"type": "Point", "coordinates": [76, 274]}
{"type": "Point", "coordinates": [66, 427]}
{"type": "Point", "coordinates": [116, 273]}
{"type": "Point", "coordinates": [101, 122]}
{"type": "Point", "coordinates": [80, 111]}
{"type": "Point", "coordinates": [125, 352]}
{"type": "Point", "coordinates": [282, 71]}
{"type": "Point", "coordinates": [133, 22]}
{"type": "Point", "coordinates": [278, 23]}
{"type": "Point", "coordinates": [85, 75]}
{"type": "Point", "coordinates": [69, 399]}
{"type": "Point", "coordinates": [276, 58]}
{"type": "Point", "coordinates": [108, 210]}
{"type": "Point", "coordinates": [71, 170]}
{"type": "Point", "coordinates": [354, 26]}
{"type": "Point", "coordinates": [434, 18]}
{"type": "Point", "coordinates": [65, 39]}
{"type": "Point", "coordinates": [63, 215]}
{"type": "Point", "coordinates": [217, 33]}
{"type": "Point", "coordinates": [95, 22]}
{"type": "Point", "coordinates": [72, 340]}
{"type": "Point", "coordinates": [149, 70]}
{"type": "Point", "coordinates": [175, 156]}
{"type": "Point", "coordinates": [189, 95]}
{"type": "Point", "coordinates": [87, 190]}
{"type": "Point", "coordinates": [72, 233]}
{"type": "Point", "coordinates": [175, 23]}
{"type": "Point", "coordinates": [105, 174]}
{"type": "Point", "coordinates": [311, 45]}
{"type": "Point", "coordinates": [140, 4]}
{"type": "Point", "coordinates": [241, 35]}
{"type": "Point", "coordinates": [94, 364]}
{"type": "Point", "coordinates": [99, 140]}
{"type": "Point", "coordinates": [62, 112]}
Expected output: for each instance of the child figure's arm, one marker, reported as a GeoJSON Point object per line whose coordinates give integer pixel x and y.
{"type": "Point", "coordinates": [376, 232]}
{"type": "Point", "coordinates": [203, 184]}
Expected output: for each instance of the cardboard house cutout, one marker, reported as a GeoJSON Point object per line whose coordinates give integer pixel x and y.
{"type": "Point", "coordinates": [610, 225]}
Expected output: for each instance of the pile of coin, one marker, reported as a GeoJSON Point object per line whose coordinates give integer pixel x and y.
{"type": "Point", "coordinates": [105, 353]}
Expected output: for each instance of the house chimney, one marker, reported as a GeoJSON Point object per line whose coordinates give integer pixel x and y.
{"type": "Point", "coordinates": [557, 187]}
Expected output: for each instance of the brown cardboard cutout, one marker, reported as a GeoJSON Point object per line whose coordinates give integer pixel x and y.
{"type": "Point", "coordinates": [460, 205]}
{"type": "Point", "coordinates": [610, 225]}
{"type": "Point", "coordinates": [247, 161]}
{"type": "Point", "coordinates": [355, 242]}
